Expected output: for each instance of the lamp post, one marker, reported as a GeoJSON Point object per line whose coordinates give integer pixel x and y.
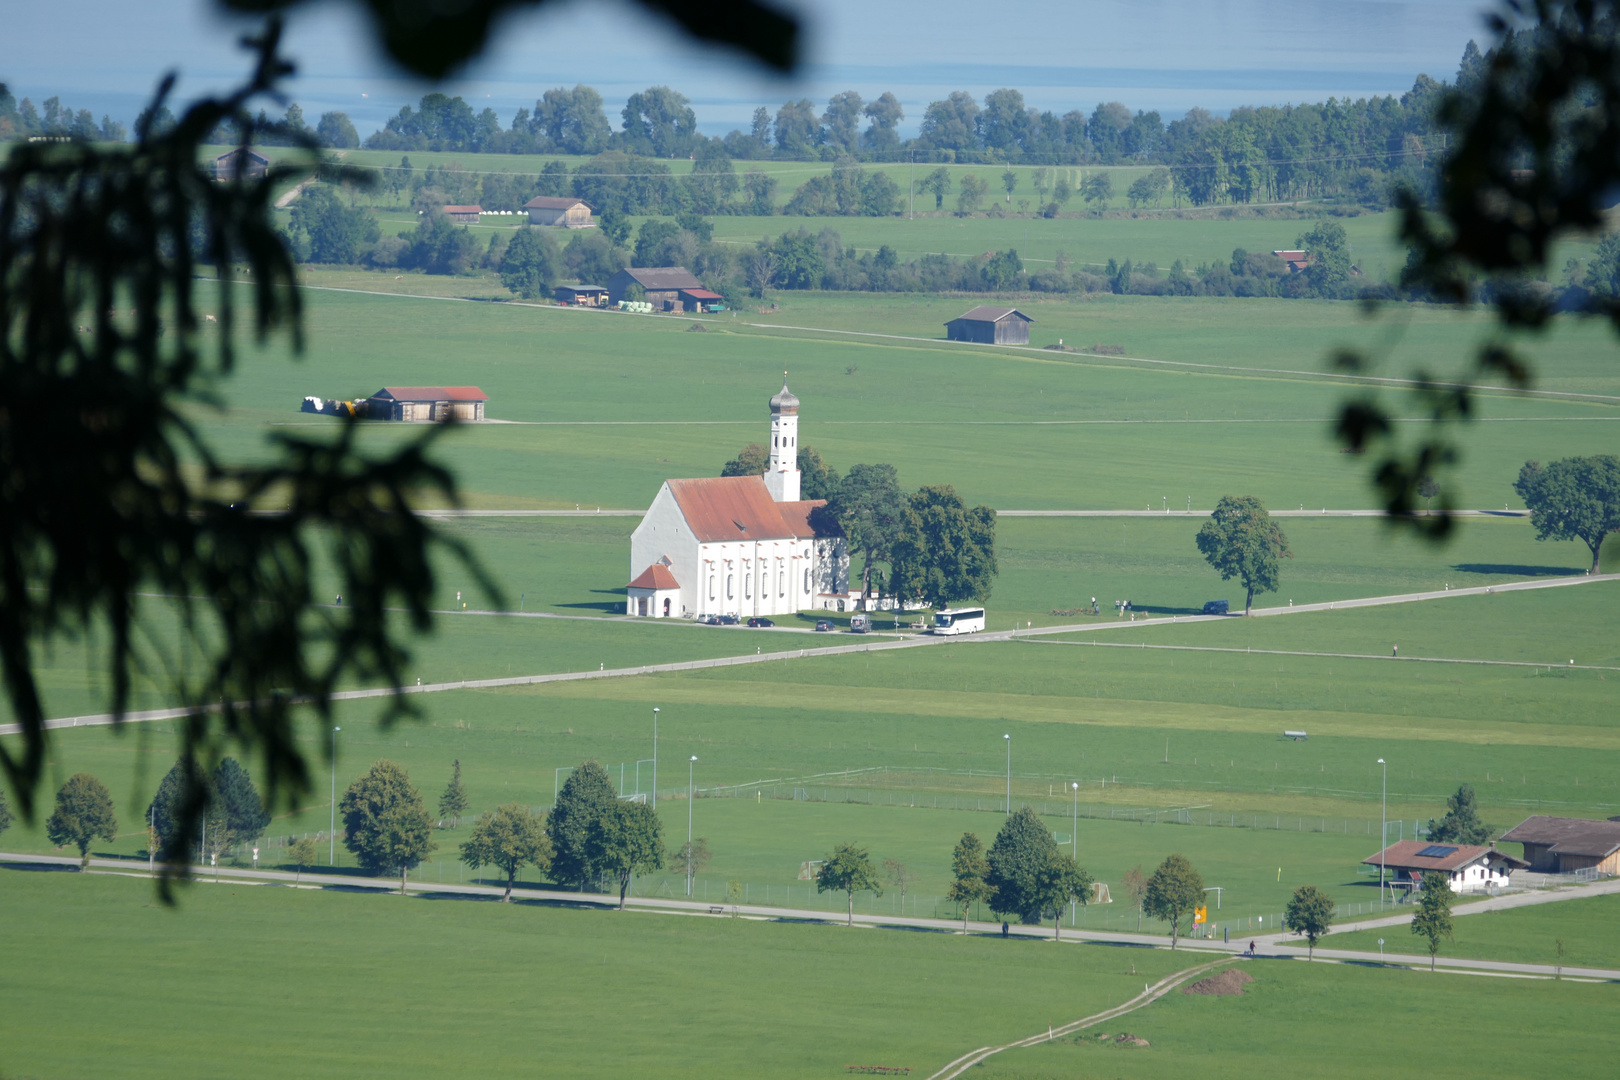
{"type": "Point", "coordinates": [690, 765]}
{"type": "Point", "coordinates": [1074, 828]}
{"type": "Point", "coordinates": [655, 759]}
{"type": "Point", "coordinates": [331, 835]}
{"type": "Point", "coordinates": [1383, 834]}
{"type": "Point", "coordinates": [1009, 774]}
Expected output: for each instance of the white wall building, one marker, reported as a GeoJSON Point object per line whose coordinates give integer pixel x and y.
{"type": "Point", "coordinates": [738, 545]}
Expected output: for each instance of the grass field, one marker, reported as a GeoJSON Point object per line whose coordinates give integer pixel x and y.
{"type": "Point", "coordinates": [331, 984]}
{"type": "Point", "coordinates": [1327, 1020]}
{"type": "Point", "coordinates": [1518, 935]}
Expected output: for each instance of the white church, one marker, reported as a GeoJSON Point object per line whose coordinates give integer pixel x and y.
{"type": "Point", "coordinates": [739, 545]}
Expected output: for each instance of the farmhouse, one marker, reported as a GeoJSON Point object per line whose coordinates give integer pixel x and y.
{"type": "Point", "coordinates": [568, 213]}
{"type": "Point", "coordinates": [254, 165]}
{"type": "Point", "coordinates": [427, 404]}
{"type": "Point", "coordinates": [1297, 260]}
{"type": "Point", "coordinates": [1468, 867]}
{"type": "Point", "coordinates": [662, 284]}
{"type": "Point", "coordinates": [990, 326]}
{"type": "Point", "coordinates": [463, 215]}
{"type": "Point", "coordinates": [581, 295]}
{"type": "Point", "coordinates": [1559, 845]}
{"type": "Point", "coordinates": [738, 545]}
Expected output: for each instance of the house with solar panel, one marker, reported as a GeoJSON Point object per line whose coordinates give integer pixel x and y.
{"type": "Point", "coordinates": [739, 545]}
{"type": "Point", "coordinates": [1467, 867]}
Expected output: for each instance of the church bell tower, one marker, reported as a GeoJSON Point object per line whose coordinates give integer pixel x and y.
{"type": "Point", "coordinates": [782, 477]}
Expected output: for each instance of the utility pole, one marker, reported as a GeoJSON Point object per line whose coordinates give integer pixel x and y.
{"type": "Point", "coordinates": [1009, 774]}
{"type": "Point", "coordinates": [331, 835]}
{"type": "Point", "coordinates": [911, 177]}
{"type": "Point", "coordinates": [655, 759]}
{"type": "Point", "coordinates": [1383, 837]}
{"type": "Point", "coordinates": [690, 765]}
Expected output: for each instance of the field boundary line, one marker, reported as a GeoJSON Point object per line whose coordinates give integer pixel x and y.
{"type": "Point", "coordinates": [1146, 997]}
{"type": "Point", "coordinates": [1335, 655]}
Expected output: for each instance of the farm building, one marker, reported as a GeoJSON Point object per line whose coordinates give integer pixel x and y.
{"type": "Point", "coordinates": [568, 213]}
{"type": "Point", "coordinates": [1468, 867]}
{"type": "Point", "coordinates": [698, 301]}
{"type": "Point", "coordinates": [582, 295]}
{"type": "Point", "coordinates": [427, 404]}
{"type": "Point", "coordinates": [1559, 845]}
{"type": "Point", "coordinates": [662, 284]}
{"type": "Point", "coordinates": [990, 326]}
{"type": "Point", "coordinates": [739, 545]}
{"type": "Point", "coordinates": [463, 215]}
{"type": "Point", "coordinates": [1297, 260]}
{"type": "Point", "coordinates": [254, 165]}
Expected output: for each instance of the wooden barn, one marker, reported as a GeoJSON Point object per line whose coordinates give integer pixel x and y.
{"type": "Point", "coordinates": [581, 295]}
{"type": "Point", "coordinates": [990, 326]}
{"type": "Point", "coordinates": [427, 404]}
{"type": "Point", "coordinates": [1297, 261]}
{"type": "Point", "coordinates": [568, 213]}
{"type": "Point", "coordinates": [662, 284]}
{"type": "Point", "coordinates": [1560, 845]}
{"type": "Point", "coordinates": [255, 166]}
{"type": "Point", "coordinates": [463, 215]}
{"type": "Point", "coordinates": [701, 300]}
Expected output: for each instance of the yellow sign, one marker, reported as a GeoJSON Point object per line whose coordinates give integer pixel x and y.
{"type": "Point", "coordinates": [1200, 915]}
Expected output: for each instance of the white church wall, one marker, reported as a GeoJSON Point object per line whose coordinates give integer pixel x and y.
{"type": "Point", "coordinates": [663, 532]}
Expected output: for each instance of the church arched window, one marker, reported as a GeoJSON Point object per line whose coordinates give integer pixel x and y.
{"type": "Point", "coordinates": [748, 586]}
{"type": "Point", "coordinates": [781, 583]}
{"type": "Point", "coordinates": [729, 593]}
{"type": "Point", "coordinates": [807, 579]}
{"type": "Point", "coordinates": [711, 586]}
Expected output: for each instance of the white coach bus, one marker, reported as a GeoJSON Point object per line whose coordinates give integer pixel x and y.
{"type": "Point", "coordinates": [959, 621]}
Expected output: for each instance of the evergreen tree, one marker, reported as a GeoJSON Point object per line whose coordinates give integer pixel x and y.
{"type": "Point", "coordinates": [182, 796]}
{"type": "Point", "coordinates": [83, 814]}
{"type": "Point", "coordinates": [385, 824]}
{"type": "Point", "coordinates": [244, 814]}
{"type": "Point", "coordinates": [453, 803]}
{"type": "Point", "coordinates": [1023, 850]}
{"type": "Point", "coordinates": [585, 797]}
{"type": "Point", "coordinates": [1461, 825]}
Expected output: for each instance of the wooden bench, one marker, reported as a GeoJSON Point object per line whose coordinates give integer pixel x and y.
{"type": "Point", "coordinates": [717, 910]}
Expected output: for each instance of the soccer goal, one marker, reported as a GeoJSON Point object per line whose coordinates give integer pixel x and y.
{"type": "Point", "coordinates": [808, 868]}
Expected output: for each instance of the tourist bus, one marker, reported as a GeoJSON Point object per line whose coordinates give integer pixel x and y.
{"type": "Point", "coordinates": [959, 620]}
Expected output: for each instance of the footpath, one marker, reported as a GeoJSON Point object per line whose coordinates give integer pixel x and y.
{"type": "Point", "coordinates": [1273, 946]}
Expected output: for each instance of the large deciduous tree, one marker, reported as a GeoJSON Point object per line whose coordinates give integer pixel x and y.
{"type": "Point", "coordinates": [509, 838]}
{"type": "Point", "coordinates": [1173, 891]}
{"type": "Point", "coordinates": [753, 460]}
{"type": "Point", "coordinates": [868, 505]}
{"type": "Point", "coordinates": [1022, 851]}
{"type": "Point", "coordinates": [848, 870]}
{"type": "Point", "coordinates": [84, 813]}
{"type": "Point", "coordinates": [1329, 269]}
{"type": "Point", "coordinates": [660, 120]}
{"type": "Point", "coordinates": [1309, 912]}
{"type": "Point", "coordinates": [937, 184]}
{"type": "Point", "coordinates": [531, 264]}
{"type": "Point", "coordinates": [1241, 541]}
{"type": "Point", "coordinates": [1057, 883]}
{"type": "Point", "coordinates": [626, 839]}
{"type": "Point", "coordinates": [969, 873]}
{"type": "Point", "coordinates": [1461, 825]}
{"type": "Point", "coordinates": [6, 817]}
{"type": "Point", "coordinates": [1432, 920]}
{"type": "Point", "coordinates": [385, 823]}
{"type": "Point", "coordinates": [1573, 499]}
{"type": "Point", "coordinates": [585, 797]}
{"type": "Point", "coordinates": [944, 551]}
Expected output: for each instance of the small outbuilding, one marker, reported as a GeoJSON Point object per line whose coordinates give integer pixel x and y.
{"type": "Point", "coordinates": [253, 165]}
{"type": "Point", "coordinates": [1297, 260]}
{"type": "Point", "coordinates": [698, 301]}
{"type": "Point", "coordinates": [567, 213]}
{"type": "Point", "coordinates": [661, 284]}
{"type": "Point", "coordinates": [581, 295]}
{"type": "Point", "coordinates": [463, 215]}
{"type": "Point", "coordinates": [1467, 867]}
{"type": "Point", "coordinates": [989, 325]}
{"type": "Point", "coordinates": [1560, 845]}
{"type": "Point", "coordinates": [654, 593]}
{"type": "Point", "coordinates": [427, 404]}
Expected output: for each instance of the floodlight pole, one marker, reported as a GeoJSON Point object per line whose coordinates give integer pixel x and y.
{"type": "Point", "coordinates": [655, 759]}
{"type": "Point", "coordinates": [331, 835]}
{"type": "Point", "coordinates": [690, 765]}
{"type": "Point", "coordinates": [1074, 829]}
{"type": "Point", "coordinates": [1009, 774]}
{"type": "Point", "coordinates": [1383, 835]}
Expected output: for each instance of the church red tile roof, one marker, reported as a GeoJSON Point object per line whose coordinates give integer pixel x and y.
{"type": "Point", "coordinates": [723, 508]}
{"type": "Point", "coordinates": [656, 576]}
{"type": "Point", "coordinates": [797, 514]}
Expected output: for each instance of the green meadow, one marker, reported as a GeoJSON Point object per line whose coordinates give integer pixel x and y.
{"type": "Point", "coordinates": [1527, 935]}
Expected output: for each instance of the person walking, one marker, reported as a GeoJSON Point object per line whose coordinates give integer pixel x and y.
{"type": "Point", "coordinates": [1251, 948]}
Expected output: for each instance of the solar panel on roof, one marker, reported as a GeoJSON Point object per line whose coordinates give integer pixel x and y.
{"type": "Point", "coordinates": [1436, 851]}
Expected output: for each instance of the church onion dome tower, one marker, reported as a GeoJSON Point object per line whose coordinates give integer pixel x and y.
{"type": "Point", "coordinates": [782, 476]}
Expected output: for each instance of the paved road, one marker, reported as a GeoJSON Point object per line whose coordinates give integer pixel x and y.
{"type": "Point", "coordinates": [1323, 512]}
{"type": "Point", "coordinates": [1268, 946]}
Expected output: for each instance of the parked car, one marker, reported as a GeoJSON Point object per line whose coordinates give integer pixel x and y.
{"type": "Point", "coordinates": [860, 623]}
{"type": "Point", "coordinates": [727, 620]}
{"type": "Point", "coordinates": [824, 624]}
{"type": "Point", "coordinates": [760, 620]}
{"type": "Point", "coordinates": [709, 620]}
{"type": "Point", "coordinates": [1217, 607]}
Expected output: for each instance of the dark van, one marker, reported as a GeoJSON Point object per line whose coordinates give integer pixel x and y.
{"type": "Point", "coordinates": [1217, 607]}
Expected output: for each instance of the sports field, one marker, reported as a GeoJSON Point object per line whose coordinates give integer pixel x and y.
{"type": "Point", "coordinates": [900, 751]}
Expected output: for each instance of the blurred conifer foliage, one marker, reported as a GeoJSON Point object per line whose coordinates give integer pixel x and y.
{"type": "Point", "coordinates": [1534, 157]}
{"type": "Point", "coordinates": [116, 514]}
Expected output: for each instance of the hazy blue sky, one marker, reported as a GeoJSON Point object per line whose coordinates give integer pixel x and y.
{"type": "Point", "coordinates": [1165, 54]}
